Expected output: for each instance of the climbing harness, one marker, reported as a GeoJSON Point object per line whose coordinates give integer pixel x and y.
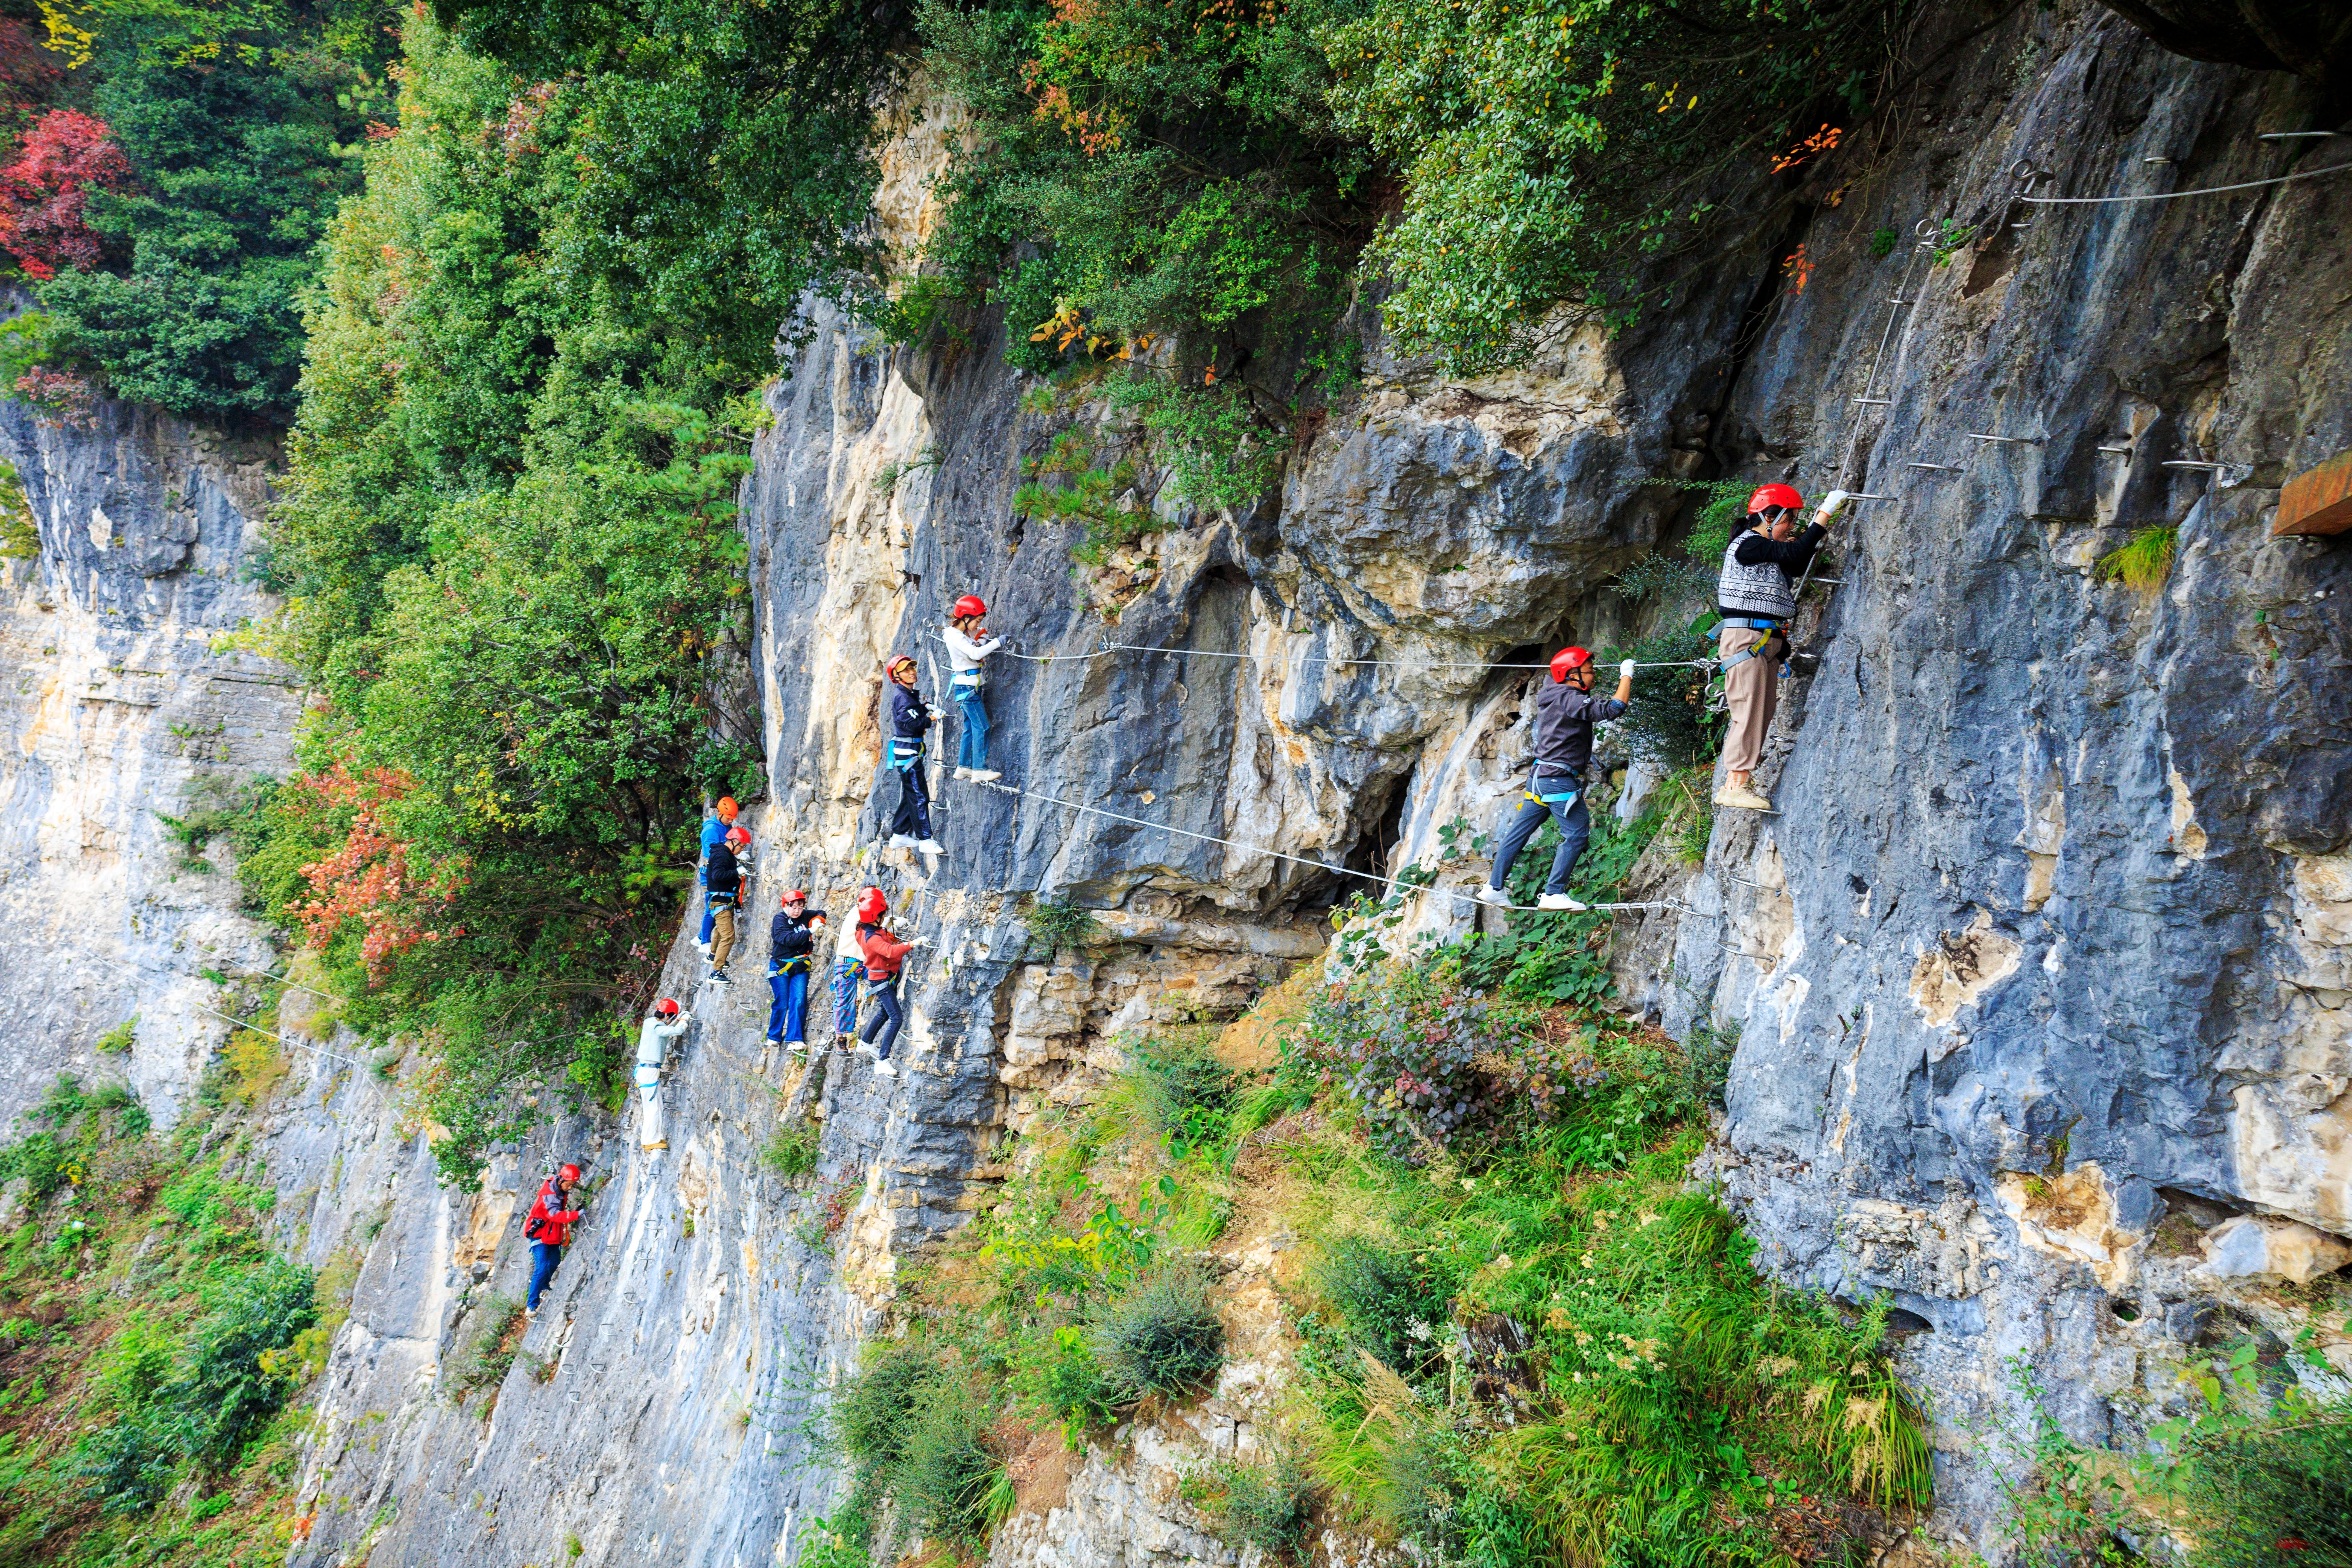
{"type": "Point", "coordinates": [1296, 860]}
{"type": "Point", "coordinates": [1769, 628]}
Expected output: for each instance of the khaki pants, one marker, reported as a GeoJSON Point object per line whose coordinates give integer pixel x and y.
{"type": "Point", "coordinates": [722, 935]}
{"type": "Point", "coordinates": [1752, 689]}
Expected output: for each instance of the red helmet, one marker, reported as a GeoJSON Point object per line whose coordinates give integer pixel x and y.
{"type": "Point", "coordinates": [726, 809]}
{"type": "Point", "coordinates": [795, 895]}
{"type": "Point", "coordinates": [872, 905]}
{"type": "Point", "coordinates": [737, 835]}
{"type": "Point", "coordinates": [1775, 495]}
{"type": "Point", "coordinates": [970, 605]}
{"type": "Point", "coordinates": [666, 1008]}
{"type": "Point", "coordinates": [1569, 658]}
{"type": "Point", "coordinates": [569, 1173]}
{"type": "Point", "coordinates": [890, 665]}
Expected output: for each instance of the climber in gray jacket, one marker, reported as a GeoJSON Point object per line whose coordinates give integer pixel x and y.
{"type": "Point", "coordinates": [1566, 711]}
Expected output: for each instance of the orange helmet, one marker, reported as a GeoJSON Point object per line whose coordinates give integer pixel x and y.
{"type": "Point", "coordinates": [1569, 658]}
{"type": "Point", "coordinates": [794, 896]}
{"type": "Point", "coordinates": [726, 809]}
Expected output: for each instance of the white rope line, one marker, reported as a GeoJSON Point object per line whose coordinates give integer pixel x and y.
{"type": "Point", "coordinates": [1598, 664]}
{"type": "Point", "coordinates": [1301, 860]}
{"type": "Point", "coordinates": [280, 1037]}
{"type": "Point", "coordinates": [2174, 196]}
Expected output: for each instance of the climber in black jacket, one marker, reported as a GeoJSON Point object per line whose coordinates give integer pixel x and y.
{"type": "Point", "coordinates": [911, 718]}
{"type": "Point", "coordinates": [1566, 711]}
{"type": "Point", "coordinates": [792, 950]}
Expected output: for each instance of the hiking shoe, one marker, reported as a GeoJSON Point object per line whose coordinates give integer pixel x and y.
{"type": "Point", "coordinates": [1494, 896]}
{"type": "Point", "coordinates": [899, 841]}
{"type": "Point", "coordinates": [1742, 797]}
{"type": "Point", "coordinates": [719, 977]}
{"type": "Point", "coordinates": [1560, 902]}
{"type": "Point", "coordinates": [798, 1047]}
{"type": "Point", "coordinates": [985, 775]}
{"type": "Point", "coordinates": [962, 773]}
{"type": "Point", "coordinates": [927, 846]}
{"type": "Point", "coordinates": [884, 1069]}
{"type": "Point", "coordinates": [864, 1048]}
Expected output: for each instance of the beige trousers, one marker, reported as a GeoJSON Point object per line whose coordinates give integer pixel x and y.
{"type": "Point", "coordinates": [1752, 689]}
{"type": "Point", "coordinates": [722, 935]}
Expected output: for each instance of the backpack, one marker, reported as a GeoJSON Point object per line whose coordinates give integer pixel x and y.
{"type": "Point", "coordinates": [536, 1225]}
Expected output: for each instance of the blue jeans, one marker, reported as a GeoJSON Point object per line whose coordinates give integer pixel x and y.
{"type": "Point", "coordinates": [1575, 831]}
{"type": "Point", "coordinates": [883, 1027]}
{"type": "Point", "coordinates": [848, 975]}
{"type": "Point", "coordinates": [788, 1012]}
{"type": "Point", "coordinates": [542, 1268]}
{"type": "Point", "coordinates": [971, 745]}
{"type": "Point", "coordinates": [708, 914]}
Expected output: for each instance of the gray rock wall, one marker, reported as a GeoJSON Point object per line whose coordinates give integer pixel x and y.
{"type": "Point", "coordinates": [118, 705]}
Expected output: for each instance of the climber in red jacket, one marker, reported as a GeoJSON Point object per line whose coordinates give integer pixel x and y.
{"type": "Point", "coordinates": [884, 955]}
{"type": "Point", "coordinates": [548, 1227]}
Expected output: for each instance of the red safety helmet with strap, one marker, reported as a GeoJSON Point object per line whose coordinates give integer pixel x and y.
{"type": "Point", "coordinates": [795, 895]}
{"type": "Point", "coordinates": [970, 605]}
{"type": "Point", "coordinates": [872, 906]}
{"type": "Point", "coordinates": [1569, 658]}
{"type": "Point", "coordinates": [737, 835]}
{"type": "Point", "coordinates": [1782, 496]}
{"type": "Point", "coordinates": [666, 1008]}
{"type": "Point", "coordinates": [569, 1173]}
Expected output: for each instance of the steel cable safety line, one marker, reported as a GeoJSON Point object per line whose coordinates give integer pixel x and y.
{"type": "Point", "coordinates": [2175, 195]}
{"type": "Point", "coordinates": [1103, 648]}
{"type": "Point", "coordinates": [1302, 860]}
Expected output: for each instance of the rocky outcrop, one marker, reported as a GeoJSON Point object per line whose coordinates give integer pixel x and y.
{"type": "Point", "coordinates": [122, 708]}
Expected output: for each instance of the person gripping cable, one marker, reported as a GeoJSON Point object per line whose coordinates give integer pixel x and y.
{"type": "Point", "coordinates": [1566, 711]}
{"type": "Point", "coordinates": [662, 1026]}
{"type": "Point", "coordinates": [792, 954]}
{"type": "Point", "coordinates": [968, 644]}
{"type": "Point", "coordinates": [1756, 592]}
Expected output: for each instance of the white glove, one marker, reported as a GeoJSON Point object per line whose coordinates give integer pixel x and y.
{"type": "Point", "coordinates": [1625, 671]}
{"type": "Point", "coordinates": [1832, 504]}
{"type": "Point", "coordinates": [920, 941]}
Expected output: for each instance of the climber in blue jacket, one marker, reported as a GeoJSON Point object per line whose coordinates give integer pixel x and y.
{"type": "Point", "coordinates": [911, 718]}
{"type": "Point", "coordinates": [1566, 711]}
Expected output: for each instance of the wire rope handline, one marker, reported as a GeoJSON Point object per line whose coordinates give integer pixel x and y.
{"type": "Point", "coordinates": [2174, 196]}
{"type": "Point", "coordinates": [280, 1037]}
{"type": "Point", "coordinates": [1410, 663]}
{"type": "Point", "coordinates": [1301, 860]}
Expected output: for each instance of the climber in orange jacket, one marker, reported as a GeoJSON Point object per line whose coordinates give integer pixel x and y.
{"type": "Point", "coordinates": [884, 955]}
{"type": "Point", "coordinates": [548, 1227]}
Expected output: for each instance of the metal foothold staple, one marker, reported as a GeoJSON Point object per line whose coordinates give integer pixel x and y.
{"type": "Point", "coordinates": [2124, 450]}
{"type": "Point", "coordinates": [2020, 441]}
{"type": "Point", "coordinates": [1864, 494]}
{"type": "Point", "coordinates": [2159, 159]}
{"type": "Point", "coordinates": [1877, 402]}
{"type": "Point", "coordinates": [2189, 463]}
{"type": "Point", "coordinates": [1935, 468]}
{"type": "Point", "coordinates": [2293, 135]}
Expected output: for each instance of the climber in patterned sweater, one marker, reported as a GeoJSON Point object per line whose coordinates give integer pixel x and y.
{"type": "Point", "coordinates": [1757, 593]}
{"type": "Point", "coordinates": [911, 718]}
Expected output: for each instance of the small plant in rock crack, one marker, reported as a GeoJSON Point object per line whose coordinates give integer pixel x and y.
{"type": "Point", "coordinates": [1269, 1504]}
{"type": "Point", "coordinates": [2144, 563]}
{"type": "Point", "coordinates": [792, 1153]}
{"type": "Point", "coordinates": [493, 1351]}
{"type": "Point", "coordinates": [1462, 840]}
{"type": "Point", "coordinates": [1059, 924]}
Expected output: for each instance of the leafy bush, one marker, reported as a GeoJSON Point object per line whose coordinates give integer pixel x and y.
{"type": "Point", "coordinates": [492, 1353]}
{"type": "Point", "coordinates": [1409, 1054]}
{"type": "Point", "coordinates": [225, 1385]}
{"type": "Point", "coordinates": [948, 1484]}
{"type": "Point", "coordinates": [1162, 1337]}
{"type": "Point", "coordinates": [1670, 720]}
{"type": "Point", "coordinates": [1182, 1091]}
{"type": "Point", "coordinates": [874, 1415]}
{"type": "Point", "coordinates": [1269, 1505]}
{"type": "Point", "coordinates": [793, 1151]}
{"type": "Point", "coordinates": [1393, 1305]}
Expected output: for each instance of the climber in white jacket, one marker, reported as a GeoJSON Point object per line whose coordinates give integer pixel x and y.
{"type": "Point", "coordinates": [663, 1024]}
{"type": "Point", "coordinates": [968, 643]}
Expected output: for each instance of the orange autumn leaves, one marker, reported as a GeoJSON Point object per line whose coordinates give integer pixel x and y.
{"type": "Point", "coordinates": [369, 878]}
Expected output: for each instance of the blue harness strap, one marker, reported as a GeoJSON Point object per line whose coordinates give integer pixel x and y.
{"type": "Point", "coordinates": [904, 752]}
{"type": "Point", "coordinates": [1753, 624]}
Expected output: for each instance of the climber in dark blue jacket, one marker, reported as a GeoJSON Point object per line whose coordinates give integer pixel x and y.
{"type": "Point", "coordinates": [1566, 711]}
{"type": "Point", "coordinates": [911, 719]}
{"type": "Point", "coordinates": [791, 950]}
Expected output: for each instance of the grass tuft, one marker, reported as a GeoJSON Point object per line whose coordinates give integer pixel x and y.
{"type": "Point", "coordinates": [2143, 564]}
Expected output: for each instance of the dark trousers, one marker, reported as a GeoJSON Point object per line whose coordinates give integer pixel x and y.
{"type": "Point", "coordinates": [913, 817]}
{"type": "Point", "coordinates": [883, 1027]}
{"type": "Point", "coordinates": [787, 1014]}
{"type": "Point", "coordinates": [543, 1259]}
{"type": "Point", "coordinates": [1575, 832]}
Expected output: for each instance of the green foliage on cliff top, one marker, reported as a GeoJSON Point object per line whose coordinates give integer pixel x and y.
{"type": "Point", "coordinates": [148, 1342]}
{"type": "Point", "coordinates": [509, 535]}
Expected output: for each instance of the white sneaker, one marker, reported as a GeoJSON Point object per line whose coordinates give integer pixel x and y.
{"type": "Point", "coordinates": [1491, 895]}
{"type": "Point", "coordinates": [927, 846]}
{"type": "Point", "coordinates": [899, 841]}
{"type": "Point", "coordinates": [797, 1047]}
{"type": "Point", "coordinates": [1559, 901]}
{"type": "Point", "coordinates": [700, 945]}
{"type": "Point", "coordinates": [985, 775]}
{"type": "Point", "coordinates": [1743, 797]}
{"type": "Point", "coordinates": [884, 1069]}
{"type": "Point", "coordinates": [963, 773]}
{"type": "Point", "coordinates": [864, 1048]}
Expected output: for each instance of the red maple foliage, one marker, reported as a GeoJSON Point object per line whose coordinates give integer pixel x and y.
{"type": "Point", "coordinates": [44, 193]}
{"type": "Point", "coordinates": [369, 878]}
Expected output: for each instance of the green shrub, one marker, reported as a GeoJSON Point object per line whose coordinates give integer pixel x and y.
{"type": "Point", "coordinates": [793, 1151]}
{"type": "Point", "coordinates": [20, 533]}
{"type": "Point", "coordinates": [1062, 1377]}
{"type": "Point", "coordinates": [1269, 1505]}
{"type": "Point", "coordinates": [2144, 563]}
{"type": "Point", "coordinates": [1182, 1091]}
{"type": "Point", "coordinates": [1161, 1337]}
{"type": "Point", "coordinates": [1668, 721]}
{"type": "Point", "coordinates": [119, 1040]}
{"type": "Point", "coordinates": [948, 1484]}
{"type": "Point", "coordinates": [492, 1353]}
{"type": "Point", "coordinates": [1390, 1304]}
{"type": "Point", "coordinates": [874, 1414]}
{"type": "Point", "coordinates": [225, 1386]}
{"type": "Point", "coordinates": [1059, 924]}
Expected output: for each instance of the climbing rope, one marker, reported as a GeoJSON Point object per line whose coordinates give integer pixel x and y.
{"type": "Point", "coordinates": [2175, 195]}
{"type": "Point", "coordinates": [280, 1037]}
{"type": "Point", "coordinates": [1302, 860]}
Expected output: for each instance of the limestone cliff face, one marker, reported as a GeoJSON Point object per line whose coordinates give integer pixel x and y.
{"type": "Point", "coordinates": [118, 710]}
{"type": "Point", "coordinates": [2048, 944]}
